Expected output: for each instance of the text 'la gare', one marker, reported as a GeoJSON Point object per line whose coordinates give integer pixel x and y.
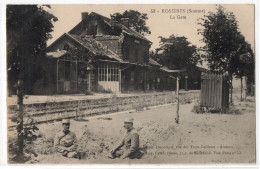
{"type": "Point", "coordinates": [178, 17]}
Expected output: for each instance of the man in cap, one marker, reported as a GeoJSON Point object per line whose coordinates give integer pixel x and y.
{"type": "Point", "coordinates": [65, 142]}
{"type": "Point", "coordinates": [128, 147]}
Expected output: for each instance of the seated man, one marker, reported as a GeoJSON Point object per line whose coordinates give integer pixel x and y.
{"type": "Point", "coordinates": [65, 142]}
{"type": "Point", "coordinates": [129, 143]}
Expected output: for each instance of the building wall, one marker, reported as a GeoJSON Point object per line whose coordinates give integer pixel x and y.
{"type": "Point", "coordinates": [133, 79]}
{"type": "Point", "coordinates": [130, 49]}
{"type": "Point", "coordinates": [135, 50]}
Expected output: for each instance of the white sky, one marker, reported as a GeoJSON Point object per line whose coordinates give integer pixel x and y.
{"type": "Point", "coordinates": [159, 23]}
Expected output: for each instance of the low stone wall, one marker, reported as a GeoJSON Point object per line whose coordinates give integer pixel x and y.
{"type": "Point", "coordinates": [44, 112]}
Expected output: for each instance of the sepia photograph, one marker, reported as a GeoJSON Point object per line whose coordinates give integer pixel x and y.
{"type": "Point", "coordinates": [131, 84]}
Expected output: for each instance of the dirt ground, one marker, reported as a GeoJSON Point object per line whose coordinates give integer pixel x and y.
{"type": "Point", "coordinates": [198, 138]}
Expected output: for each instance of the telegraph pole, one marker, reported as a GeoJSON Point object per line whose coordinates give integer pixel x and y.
{"type": "Point", "coordinates": [186, 82]}
{"type": "Point", "coordinates": [177, 91]}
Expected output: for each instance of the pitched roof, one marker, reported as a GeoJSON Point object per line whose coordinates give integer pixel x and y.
{"type": "Point", "coordinates": [172, 71]}
{"type": "Point", "coordinates": [125, 30]}
{"type": "Point", "coordinates": [91, 44]}
{"type": "Point", "coordinates": [94, 46]}
{"type": "Point", "coordinates": [154, 63]}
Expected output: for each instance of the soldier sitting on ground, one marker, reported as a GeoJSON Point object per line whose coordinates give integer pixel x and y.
{"type": "Point", "coordinates": [129, 145]}
{"type": "Point", "coordinates": [65, 142]}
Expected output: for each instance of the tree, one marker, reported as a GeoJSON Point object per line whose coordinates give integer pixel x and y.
{"type": "Point", "coordinates": [137, 20]}
{"type": "Point", "coordinates": [28, 29]}
{"type": "Point", "coordinates": [223, 42]}
{"type": "Point", "coordinates": [245, 66]}
{"type": "Point", "coordinates": [177, 52]}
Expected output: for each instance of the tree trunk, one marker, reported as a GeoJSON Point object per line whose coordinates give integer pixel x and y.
{"type": "Point", "coordinates": [241, 93]}
{"type": "Point", "coordinates": [20, 93]}
{"type": "Point", "coordinates": [245, 87]}
{"type": "Point", "coordinates": [20, 119]}
{"type": "Point", "coordinates": [231, 91]}
{"type": "Point", "coordinates": [145, 80]}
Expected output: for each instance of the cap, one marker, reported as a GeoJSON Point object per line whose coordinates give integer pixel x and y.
{"type": "Point", "coordinates": [65, 121]}
{"type": "Point", "coordinates": [130, 120]}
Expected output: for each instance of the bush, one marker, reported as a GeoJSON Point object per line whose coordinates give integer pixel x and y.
{"type": "Point", "coordinates": [29, 137]}
{"type": "Point", "coordinates": [202, 109]}
{"type": "Point", "coordinates": [198, 109]}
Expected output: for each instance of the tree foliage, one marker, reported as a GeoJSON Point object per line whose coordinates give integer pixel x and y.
{"type": "Point", "coordinates": [177, 52]}
{"type": "Point", "coordinates": [224, 44]}
{"type": "Point", "coordinates": [28, 29]}
{"type": "Point", "coordinates": [137, 20]}
{"type": "Point", "coordinates": [245, 62]}
{"type": "Point", "coordinates": [83, 55]}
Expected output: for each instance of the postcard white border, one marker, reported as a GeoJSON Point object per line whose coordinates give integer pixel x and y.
{"type": "Point", "coordinates": [3, 124]}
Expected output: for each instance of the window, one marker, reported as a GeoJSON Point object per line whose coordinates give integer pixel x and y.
{"type": "Point", "coordinates": [107, 72]}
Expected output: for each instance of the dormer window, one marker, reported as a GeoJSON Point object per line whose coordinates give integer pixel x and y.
{"type": "Point", "coordinates": [93, 30]}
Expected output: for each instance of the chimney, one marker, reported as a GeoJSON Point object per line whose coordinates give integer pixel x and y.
{"type": "Point", "coordinates": [125, 22]}
{"type": "Point", "coordinates": [112, 21]}
{"type": "Point", "coordinates": [112, 17]}
{"type": "Point", "coordinates": [84, 15]}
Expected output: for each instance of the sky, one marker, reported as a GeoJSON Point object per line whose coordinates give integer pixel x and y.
{"type": "Point", "coordinates": [180, 20]}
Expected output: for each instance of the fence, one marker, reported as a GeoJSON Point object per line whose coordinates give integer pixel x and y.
{"type": "Point", "coordinates": [51, 111]}
{"type": "Point", "coordinates": [215, 91]}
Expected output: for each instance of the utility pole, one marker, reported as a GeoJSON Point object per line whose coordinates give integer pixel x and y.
{"type": "Point", "coordinates": [177, 91]}
{"type": "Point", "coordinates": [186, 82]}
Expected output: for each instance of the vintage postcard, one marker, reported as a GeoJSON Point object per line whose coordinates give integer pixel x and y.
{"type": "Point", "coordinates": [131, 84]}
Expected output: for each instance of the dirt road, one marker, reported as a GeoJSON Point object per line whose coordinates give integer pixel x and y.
{"type": "Point", "coordinates": [198, 138]}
